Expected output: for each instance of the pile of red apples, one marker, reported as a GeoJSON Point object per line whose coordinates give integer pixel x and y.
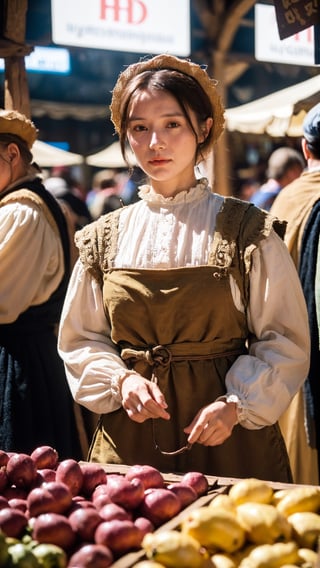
{"type": "Point", "coordinates": [94, 516]}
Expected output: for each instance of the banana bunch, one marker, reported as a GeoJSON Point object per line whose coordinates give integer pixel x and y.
{"type": "Point", "coordinates": [252, 526]}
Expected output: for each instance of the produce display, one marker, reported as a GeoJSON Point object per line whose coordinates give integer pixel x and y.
{"type": "Point", "coordinates": [69, 514]}
{"type": "Point", "coordinates": [66, 514]}
{"type": "Point", "coordinates": [251, 526]}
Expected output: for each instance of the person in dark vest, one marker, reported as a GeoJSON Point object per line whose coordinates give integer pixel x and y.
{"type": "Point", "coordinates": [299, 205]}
{"type": "Point", "coordinates": [184, 324]}
{"type": "Point", "coordinates": [36, 406]}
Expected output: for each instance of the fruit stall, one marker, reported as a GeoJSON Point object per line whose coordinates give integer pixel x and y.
{"type": "Point", "coordinates": [68, 514]}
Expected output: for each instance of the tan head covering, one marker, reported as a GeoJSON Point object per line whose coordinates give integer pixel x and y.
{"type": "Point", "coordinates": [170, 62]}
{"type": "Point", "coordinates": [13, 122]}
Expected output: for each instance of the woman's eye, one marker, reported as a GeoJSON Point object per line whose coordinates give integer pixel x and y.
{"type": "Point", "coordinates": [139, 128]}
{"type": "Point", "coordinates": [173, 124]}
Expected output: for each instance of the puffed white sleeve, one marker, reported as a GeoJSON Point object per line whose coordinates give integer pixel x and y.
{"type": "Point", "coordinates": [265, 380]}
{"type": "Point", "coordinates": [92, 363]}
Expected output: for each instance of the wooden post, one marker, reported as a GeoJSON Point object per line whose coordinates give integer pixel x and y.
{"type": "Point", "coordinates": [16, 92]}
{"type": "Point", "coordinates": [221, 161]}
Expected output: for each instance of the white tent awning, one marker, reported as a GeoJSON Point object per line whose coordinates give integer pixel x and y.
{"type": "Point", "coordinates": [46, 156]}
{"type": "Point", "coordinates": [278, 114]}
{"type": "Point", "coordinates": [110, 157]}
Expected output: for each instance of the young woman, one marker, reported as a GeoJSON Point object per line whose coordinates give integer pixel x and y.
{"type": "Point", "coordinates": [184, 325]}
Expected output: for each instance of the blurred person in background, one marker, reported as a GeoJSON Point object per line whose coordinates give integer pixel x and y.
{"type": "Point", "coordinates": [284, 165]}
{"type": "Point", "coordinates": [63, 191]}
{"type": "Point", "coordinates": [106, 197]}
{"type": "Point", "coordinates": [36, 407]}
{"type": "Point", "coordinates": [299, 205]}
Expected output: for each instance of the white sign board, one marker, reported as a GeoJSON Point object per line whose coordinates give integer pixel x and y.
{"type": "Point", "coordinates": [295, 50]}
{"type": "Point", "coordinates": [138, 26]}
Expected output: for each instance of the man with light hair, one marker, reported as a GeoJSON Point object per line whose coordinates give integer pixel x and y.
{"type": "Point", "coordinates": [299, 205]}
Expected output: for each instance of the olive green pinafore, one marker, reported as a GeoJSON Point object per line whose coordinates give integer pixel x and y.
{"type": "Point", "coordinates": [180, 327]}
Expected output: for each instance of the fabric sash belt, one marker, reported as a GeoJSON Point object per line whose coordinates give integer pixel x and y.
{"type": "Point", "coordinates": [163, 355]}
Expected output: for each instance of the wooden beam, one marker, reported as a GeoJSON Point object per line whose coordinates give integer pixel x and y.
{"type": "Point", "coordinates": [16, 91]}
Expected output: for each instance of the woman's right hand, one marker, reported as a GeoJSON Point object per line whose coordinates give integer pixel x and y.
{"type": "Point", "coordinates": [142, 399]}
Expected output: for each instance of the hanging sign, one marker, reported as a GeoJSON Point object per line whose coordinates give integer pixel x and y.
{"type": "Point", "coordinates": [293, 16]}
{"type": "Point", "coordinates": [138, 26]}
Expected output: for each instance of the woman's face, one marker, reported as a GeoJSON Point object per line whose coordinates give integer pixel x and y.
{"type": "Point", "coordinates": [163, 141]}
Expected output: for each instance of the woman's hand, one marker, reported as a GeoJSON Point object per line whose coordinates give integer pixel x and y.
{"type": "Point", "coordinates": [213, 424]}
{"type": "Point", "coordinates": [142, 399]}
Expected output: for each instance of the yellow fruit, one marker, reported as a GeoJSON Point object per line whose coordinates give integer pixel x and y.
{"type": "Point", "coordinates": [148, 564]}
{"type": "Point", "coordinates": [174, 549]}
{"type": "Point", "coordinates": [300, 499]}
{"type": "Point", "coordinates": [307, 557]}
{"type": "Point", "coordinates": [271, 555]}
{"type": "Point", "coordinates": [222, 561]}
{"type": "Point", "coordinates": [263, 523]}
{"type": "Point", "coordinates": [280, 494]}
{"type": "Point", "coordinates": [251, 489]}
{"type": "Point", "coordinates": [223, 501]}
{"type": "Point", "coordinates": [306, 528]}
{"type": "Point", "coordinates": [214, 528]}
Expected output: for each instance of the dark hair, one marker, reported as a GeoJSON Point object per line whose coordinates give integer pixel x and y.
{"type": "Point", "coordinates": [6, 139]}
{"type": "Point", "coordinates": [314, 148]}
{"type": "Point", "coordinates": [186, 90]}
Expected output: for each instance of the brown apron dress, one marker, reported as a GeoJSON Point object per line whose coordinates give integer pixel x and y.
{"type": "Point", "coordinates": [180, 327]}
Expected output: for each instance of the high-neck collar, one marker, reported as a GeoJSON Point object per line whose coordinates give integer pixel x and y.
{"type": "Point", "coordinates": [196, 192]}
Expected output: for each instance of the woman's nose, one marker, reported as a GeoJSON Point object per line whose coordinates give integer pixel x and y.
{"type": "Point", "coordinates": [156, 141]}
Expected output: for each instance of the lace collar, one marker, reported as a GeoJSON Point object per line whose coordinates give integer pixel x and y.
{"type": "Point", "coordinates": [187, 196]}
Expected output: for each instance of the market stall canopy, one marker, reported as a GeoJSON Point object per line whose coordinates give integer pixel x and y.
{"type": "Point", "coordinates": [46, 156]}
{"type": "Point", "coordinates": [110, 157]}
{"type": "Point", "coordinates": [278, 114]}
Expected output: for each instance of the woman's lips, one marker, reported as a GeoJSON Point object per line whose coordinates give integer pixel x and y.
{"type": "Point", "coordinates": [159, 162]}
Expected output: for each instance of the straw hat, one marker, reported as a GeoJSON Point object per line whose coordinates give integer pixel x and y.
{"type": "Point", "coordinates": [13, 122]}
{"type": "Point", "coordinates": [170, 62]}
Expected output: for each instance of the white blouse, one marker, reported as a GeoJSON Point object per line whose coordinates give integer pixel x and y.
{"type": "Point", "coordinates": [31, 257]}
{"type": "Point", "coordinates": [158, 232]}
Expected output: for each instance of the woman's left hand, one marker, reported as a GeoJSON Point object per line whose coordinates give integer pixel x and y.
{"type": "Point", "coordinates": [213, 424]}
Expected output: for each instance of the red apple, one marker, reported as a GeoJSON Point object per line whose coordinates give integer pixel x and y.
{"type": "Point", "coordinates": [93, 475]}
{"type": "Point", "coordinates": [101, 489]}
{"type": "Point", "coordinates": [148, 475]}
{"type": "Point", "coordinates": [61, 494]}
{"type": "Point", "coordinates": [51, 497]}
{"type": "Point", "coordinates": [4, 458]}
{"type": "Point", "coordinates": [120, 536]}
{"type": "Point", "coordinates": [44, 475]}
{"type": "Point", "coordinates": [21, 470]}
{"type": "Point", "coordinates": [160, 505]}
{"type": "Point", "coordinates": [20, 504]}
{"type": "Point", "coordinates": [113, 511]}
{"type": "Point", "coordinates": [101, 500]}
{"type": "Point", "coordinates": [3, 479]}
{"type": "Point", "coordinates": [39, 501]}
{"type": "Point", "coordinates": [145, 525]}
{"type": "Point", "coordinates": [91, 556]}
{"type": "Point", "coordinates": [53, 528]}
{"type": "Point", "coordinates": [69, 472]}
{"type": "Point", "coordinates": [80, 502]}
{"type": "Point", "coordinates": [4, 503]}
{"type": "Point", "coordinates": [84, 523]}
{"type": "Point", "coordinates": [12, 522]}
{"type": "Point", "coordinates": [197, 480]}
{"type": "Point", "coordinates": [124, 492]}
{"type": "Point", "coordinates": [184, 492]}
{"type": "Point", "coordinates": [45, 457]}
